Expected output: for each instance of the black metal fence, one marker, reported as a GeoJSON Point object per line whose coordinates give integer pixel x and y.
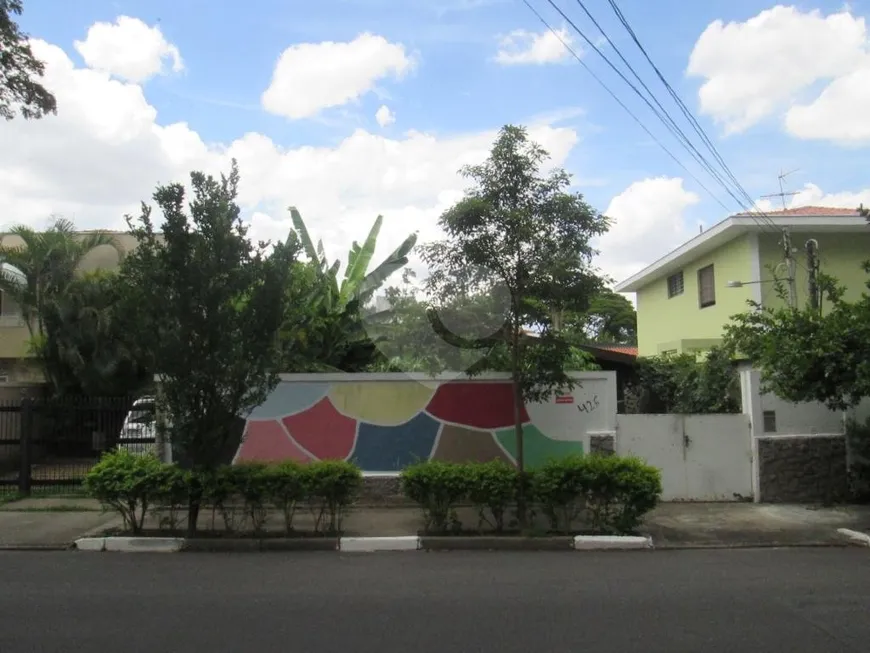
{"type": "Point", "coordinates": [50, 444]}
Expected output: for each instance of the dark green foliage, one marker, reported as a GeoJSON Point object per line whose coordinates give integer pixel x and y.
{"type": "Point", "coordinates": [492, 489]}
{"type": "Point", "coordinates": [438, 487]}
{"type": "Point", "coordinates": [332, 486]}
{"type": "Point", "coordinates": [210, 304]}
{"type": "Point", "coordinates": [683, 384]}
{"type": "Point", "coordinates": [619, 492]}
{"type": "Point", "coordinates": [858, 443]}
{"type": "Point", "coordinates": [19, 70]}
{"type": "Point", "coordinates": [607, 494]}
{"type": "Point", "coordinates": [127, 483]}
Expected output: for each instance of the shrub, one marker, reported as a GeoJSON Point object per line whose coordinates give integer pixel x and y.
{"type": "Point", "coordinates": [559, 488]}
{"type": "Point", "coordinates": [251, 482]}
{"type": "Point", "coordinates": [128, 483]}
{"type": "Point", "coordinates": [492, 488]}
{"type": "Point", "coordinates": [287, 486]}
{"type": "Point", "coordinates": [220, 488]}
{"type": "Point", "coordinates": [331, 486]}
{"type": "Point", "coordinates": [619, 492]}
{"type": "Point", "coordinates": [438, 487]}
{"type": "Point", "coordinates": [858, 446]}
{"type": "Point", "coordinates": [172, 496]}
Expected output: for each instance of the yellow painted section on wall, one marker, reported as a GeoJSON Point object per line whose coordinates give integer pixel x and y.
{"type": "Point", "coordinates": [665, 324]}
{"type": "Point", "coordinates": [841, 256]}
{"type": "Point", "coordinates": [384, 403]}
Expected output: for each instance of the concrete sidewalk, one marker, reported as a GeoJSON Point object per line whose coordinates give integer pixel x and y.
{"type": "Point", "coordinates": [57, 522]}
{"type": "Point", "coordinates": [50, 523]}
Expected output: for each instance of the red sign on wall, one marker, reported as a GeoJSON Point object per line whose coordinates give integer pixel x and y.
{"type": "Point", "coordinates": [565, 399]}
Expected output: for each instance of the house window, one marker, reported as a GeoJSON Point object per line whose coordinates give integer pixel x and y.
{"type": "Point", "coordinates": [706, 287]}
{"type": "Point", "coordinates": [675, 284]}
{"type": "Point", "coordinates": [769, 421]}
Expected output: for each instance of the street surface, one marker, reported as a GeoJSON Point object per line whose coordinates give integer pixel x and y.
{"type": "Point", "coordinates": [767, 600]}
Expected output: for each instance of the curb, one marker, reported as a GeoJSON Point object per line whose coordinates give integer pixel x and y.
{"type": "Point", "coordinates": [856, 537]}
{"type": "Point", "coordinates": [371, 544]}
{"type": "Point", "coordinates": [495, 543]}
{"type": "Point", "coordinates": [363, 544]}
{"type": "Point", "coordinates": [612, 542]}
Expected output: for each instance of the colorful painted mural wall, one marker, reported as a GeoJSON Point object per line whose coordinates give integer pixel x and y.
{"type": "Point", "coordinates": [384, 422]}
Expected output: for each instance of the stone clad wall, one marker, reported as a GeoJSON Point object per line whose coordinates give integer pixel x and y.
{"type": "Point", "coordinates": [802, 469]}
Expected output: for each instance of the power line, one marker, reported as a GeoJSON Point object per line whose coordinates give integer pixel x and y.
{"type": "Point", "coordinates": [622, 104]}
{"type": "Point", "coordinates": [669, 122]}
{"type": "Point", "coordinates": [682, 106]}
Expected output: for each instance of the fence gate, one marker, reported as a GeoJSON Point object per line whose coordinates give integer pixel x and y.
{"type": "Point", "coordinates": [52, 443]}
{"type": "Point", "coordinates": [702, 457]}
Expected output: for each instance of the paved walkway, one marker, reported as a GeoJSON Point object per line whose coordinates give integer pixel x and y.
{"type": "Point", "coordinates": [57, 522]}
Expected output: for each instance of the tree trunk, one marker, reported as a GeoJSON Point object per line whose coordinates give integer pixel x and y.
{"type": "Point", "coordinates": [518, 424]}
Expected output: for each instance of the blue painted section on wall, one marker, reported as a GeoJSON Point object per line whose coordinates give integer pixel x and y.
{"type": "Point", "coordinates": [289, 399]}
{"type": "Point", "coordinates": [391, 448]}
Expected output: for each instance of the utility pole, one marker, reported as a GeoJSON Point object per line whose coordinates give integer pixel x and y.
{"type": "Point", "coordinates": [812, 247]}
{"type": "Point", "coordinates": [788, 250]}
{"type": "Point", "coordinates": [790, 266]}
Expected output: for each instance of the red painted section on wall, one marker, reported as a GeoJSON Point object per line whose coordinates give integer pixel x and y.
{"type": "Point", "coordinates": [265, 440]}
{"type": "Point", "coordinates": [322, 430]}
{"type": "Point", "coordinates": [565, 399]}
{"type": "Point", "coordinates": [479, 405]}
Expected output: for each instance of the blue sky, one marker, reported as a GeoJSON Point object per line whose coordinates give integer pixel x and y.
{"type": "Point", "coordinates": [456, 86]}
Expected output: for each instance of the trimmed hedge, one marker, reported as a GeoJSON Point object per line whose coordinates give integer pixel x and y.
{"type": "Point", "coordinates": [241, 494]}
{"type": "Point", "coordinates": [607, 494]}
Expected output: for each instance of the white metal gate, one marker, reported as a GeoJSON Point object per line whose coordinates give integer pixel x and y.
{"type": "Point", "coordinates": [702, 457]}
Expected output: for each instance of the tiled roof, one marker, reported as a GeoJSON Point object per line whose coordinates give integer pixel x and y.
{"type": "Point", "coordinates": [630, 350]}
{"type": "Point", "coordinates": [814, 211]}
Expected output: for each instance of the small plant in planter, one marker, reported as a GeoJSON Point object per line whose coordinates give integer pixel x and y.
{"type": "Point", "coordinates": [287, 485]}
{"type": "Point", "coordinates": [171, 499]}
{"type": "Point", "coordinates": [438, 487]}
{"type": "Point", "coordinates": [332, 487]}
{"type": "Point", "coordinates": [127, 483]}
{"type": "Point", "coordinates": [492, 489]}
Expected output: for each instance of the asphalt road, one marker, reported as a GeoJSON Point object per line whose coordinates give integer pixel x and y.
{"type": "Point", "coordinates": [811, 600]}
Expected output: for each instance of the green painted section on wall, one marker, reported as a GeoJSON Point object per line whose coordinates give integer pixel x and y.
{"type": "Point", "coordinates": [841, 256]}
{"type": "Point", "coordinates": [667, 323]}
{"type": "Point", "coordinates": [537, 447]}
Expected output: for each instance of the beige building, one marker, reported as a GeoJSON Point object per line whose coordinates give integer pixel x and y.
{"type": "Point", "coordinates": [14, 335]}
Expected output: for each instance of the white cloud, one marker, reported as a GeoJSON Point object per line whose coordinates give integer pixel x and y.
{"type": "Point", "coordinates": [310, 77]}
{"type": "Point", "coordinates": [384, 116]}
{"type": "Point", "coordinates": [105, 151]}
{"type": "Point", "coordinates": [129, 49]}
{"type": "Point", "coordinates": [524, 47]}
{"type": "Point", "coordinates": [839, 114]}
{"type": "Point", "coordinates": [648, 222]}
{"type": "Point", "coordinates": [761, 67]}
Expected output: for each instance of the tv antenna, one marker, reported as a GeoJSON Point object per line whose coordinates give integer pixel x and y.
{"type": "Point", "coordinates": [782, 194]}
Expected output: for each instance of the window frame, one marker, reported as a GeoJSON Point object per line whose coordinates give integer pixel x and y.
{"type": "Point", "coordinates": [682, 284]}
{"type": "Point", "coordinates": [711, 301]}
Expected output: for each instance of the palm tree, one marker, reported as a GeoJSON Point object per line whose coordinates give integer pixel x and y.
{"type": "Point", "coordinates": [39, 269]}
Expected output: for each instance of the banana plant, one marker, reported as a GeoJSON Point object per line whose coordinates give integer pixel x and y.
{"type": "Point", "coordinates": [358, 283]}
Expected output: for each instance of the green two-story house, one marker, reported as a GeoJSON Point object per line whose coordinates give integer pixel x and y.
{"type": "Point", "coordinates": [685, 298]}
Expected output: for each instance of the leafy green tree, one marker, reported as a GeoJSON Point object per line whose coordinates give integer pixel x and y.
{"type": "Point", "coordinates": [211, 304]}
{"type": "Point", "coordinates": [808, 355]}
{"type": "Point", "coordinates": [19, 70]}
{"type": "Point", "coordinates": [518, 231]}
{"type": "Point", "coordinates": [610, 319]}
{"type": "Point", "coordinates": [92, 342]}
